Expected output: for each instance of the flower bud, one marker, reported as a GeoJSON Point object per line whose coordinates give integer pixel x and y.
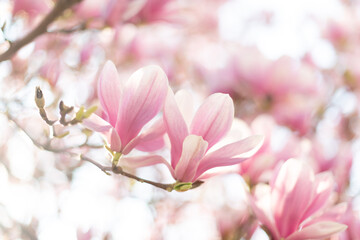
{"type": "Point", "coordinates": [39, 98]}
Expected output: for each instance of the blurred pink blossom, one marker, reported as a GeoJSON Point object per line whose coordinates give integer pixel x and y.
{"type": "Point", "coordinates": [108, 12]}
{"type": "Point", "coordinates": [339, 164]}
{"type": "Point", "coordinates": [51, 70]}
{"type": "Point", "coordinates": [32, 8]}
{"type": "Point", "coordinates": [352, 220]}
{"type": "Point", "coordinates": [259, 168]}
{"type": "Point", "coordinates": [155, 10]}
{"type": "Point", "coordinates": [293, 206]}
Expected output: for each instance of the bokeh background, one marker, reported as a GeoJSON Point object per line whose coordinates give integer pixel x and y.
{"type": "Point", "coordinates": [291, 67]}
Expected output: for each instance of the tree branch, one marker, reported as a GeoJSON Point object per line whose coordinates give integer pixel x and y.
{"type": "Point", "coordinates": [58, 10]}
{"type": "Point", "coordinates": [119, 170]}
{"type": "Point", "coordinates": [76, 28]}
{"type": "Point", "coordinates": [47, 146]}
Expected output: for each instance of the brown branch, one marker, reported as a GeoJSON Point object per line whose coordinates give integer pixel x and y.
{"type": "Point", "coordinates": [119, 170]}
{"type": "Point", "coordinates": [64, 110]}
{"type": "Point", "coordinates": [80, 27]}
{"type": "Point", "coordinates": [58, 10]}
{"type": "Point", "coordinates": [47, 145]}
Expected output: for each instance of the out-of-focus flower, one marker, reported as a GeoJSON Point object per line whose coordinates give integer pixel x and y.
{"type": "Point", "coordinates": [151, 43]}
{"type": "Point", "coordinates": [86, 52]}
{"type": "Point", "coordinates": [110, 12]}
{"type": "Point", "coordinates": [114, 11]}
{"type": "Point", "coordinates": [32, 8]}
{"type": "Point", "coordinates": [339, 164]}
{"type": "Point", "coordinates": [155, 10]}
{"type": "Point", "coordinates": [192, 137]}
{"type": "Point", "coordinates": [51, 70]}
{"type": "Point", "coordinates": [127, 107]}
{"type": "Point", "coordinates": [293, 206]}
{"type": "Point", "coordinates": [220, 75]}
{"type": "Point", "coordinates": [352, 220]}
{"type": "Point", "coordinates": [259, 167]}
{"type": "Point", "coordinates": [342, 32]}
{"type": "Point", "coordinates": [282, 88]}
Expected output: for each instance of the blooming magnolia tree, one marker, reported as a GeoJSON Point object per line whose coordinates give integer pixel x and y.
{"type": "Point", "coordinates": [162, 115]}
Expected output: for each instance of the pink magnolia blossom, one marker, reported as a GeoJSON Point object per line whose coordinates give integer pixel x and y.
{"type": "Point", "coordinates": [292, 207]}
{"type": "Point", "coordinates": [128, 106]}
{"type": "Point", "coordinates": [192, 137]}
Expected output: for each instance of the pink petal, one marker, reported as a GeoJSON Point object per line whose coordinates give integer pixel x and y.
{"type": "Point", "coordinates": [143, 161]}
{"type": "Point", "coordinates": [323, 188]}
{"type": "Point", "coordinates": [261, 205]}
{"type": "Point", "coordinates": [185, 103]}
{"type": "Point", "coordinates": [142, 100]}
{"type": "Point", "coordinates": [335, 213]}
{"type": "Point", "coordinates": [115, 142]}
{"type": "Point", "coordinates": [291, 195]}
{"type": "Point", "coordinates": [319, 230]}
{"type": "Point", "coordinates": [96, 123]}
{"type": "Point", "coordinates": [214, 118]}
{"type": "Point", "coordinates": [151, 145]}
{"type": "Point", "coordinates": [175, 126]}
{"type": "Point", "coordinates": [109, 91]}
{"type": "Point", "coordinates": [194, 149]}
{"type": "Point", "coordinates": [150, 140]}
{"type": "Point", "coordinates": [229, 154]}
{"type": "Point", "coordinates": [208, 175]}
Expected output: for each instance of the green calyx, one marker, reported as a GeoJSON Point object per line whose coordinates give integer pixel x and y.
{"type": "Point", "coordinates": [182, 186]}
{"type": "Point", "coordinates": [116, 158]}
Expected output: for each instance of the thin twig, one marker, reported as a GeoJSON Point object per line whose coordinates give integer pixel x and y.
{"type": "Point", "coordinates": [47, 146]}
{"type": "Point", "coordinates": [64, 110]}
{"type": "Point", "coordinates": [119, 170]}
{"type": "Point", "coordinates": [80, 27]}
{"type": "Point", "coordinates": [58, 10]}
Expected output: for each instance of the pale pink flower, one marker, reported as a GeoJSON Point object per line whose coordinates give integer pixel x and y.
{"type": "Point", "coordinates": [192, 137]}
{"type": "Point", "coordinates": [32, 8]}
{"type": "Point", "coordinates": [114, 11]}
{"type": "Point", "coordinates": [155, 10]}
{"type": "Point", "coordinates": [293, 206]}
{"type": "Point", "coordinates": [259, 167]}
{"type": "Point", "coordinates": [51, 70]}
{"type": "Point", "coordinates": [89, 9]}
{"type": "Point", "coordinates": [86, 52]}
{"type": "Point", "coordinates": [339, 163]}
{"type": "Point", "coordinates": [128, 106]}
{"type": "Point", "coordinates": [110, 12]}
{"type": "Point", "coordinates": [352, 220]}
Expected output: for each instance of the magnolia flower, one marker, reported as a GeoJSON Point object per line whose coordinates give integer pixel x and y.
{"type": "Point", "coordinates": [292, 207]}
{"type": "Point", "coordinates": [128, 106]}
{"type": "Point", "coordinates": [192, 137]}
